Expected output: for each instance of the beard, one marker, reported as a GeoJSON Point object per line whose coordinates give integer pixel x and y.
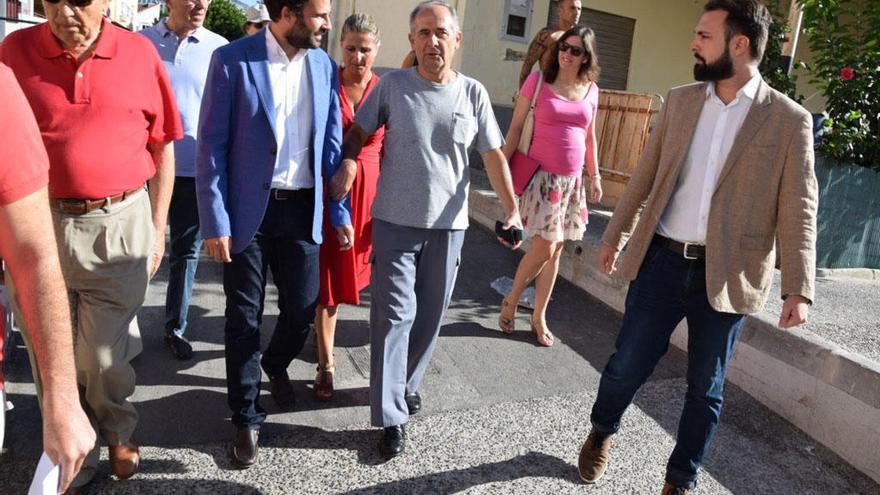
{"type": "Point", "coordinates": [299, 37]}
{"type": "Point", "coordinates": [715, 71]}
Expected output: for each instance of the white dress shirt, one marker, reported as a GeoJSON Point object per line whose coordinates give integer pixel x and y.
{"type": "Point", "coordinates": [292, 94]}
{"type": "Point", "coordinates": [687, 214]}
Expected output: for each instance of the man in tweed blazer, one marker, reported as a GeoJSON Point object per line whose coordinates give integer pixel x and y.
{"type": "Point", "coordinates": [727, 175]}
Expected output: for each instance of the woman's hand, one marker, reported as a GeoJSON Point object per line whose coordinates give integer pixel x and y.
{"type": "Point", "coordinates": [342, 180]}
{"type": "Point", "coordinates": [595, 189]}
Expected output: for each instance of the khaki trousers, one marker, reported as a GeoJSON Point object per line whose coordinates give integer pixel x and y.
{"type": "Point", "coordinates": [104, 257]}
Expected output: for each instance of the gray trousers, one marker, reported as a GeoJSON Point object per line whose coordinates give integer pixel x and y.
{"type": "Point", "coordinates": [411, 284]}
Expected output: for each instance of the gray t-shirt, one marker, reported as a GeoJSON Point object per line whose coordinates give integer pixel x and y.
{"type": "Point", "coordinates": [429, 128]}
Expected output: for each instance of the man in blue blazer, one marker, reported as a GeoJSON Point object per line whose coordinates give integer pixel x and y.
{"type": "Point", "coordinates": [269, 134]}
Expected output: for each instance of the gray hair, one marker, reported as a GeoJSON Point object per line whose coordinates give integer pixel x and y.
{"type": "Point", "coordinates": [427, 4]}
{"type": "Point", "coordinates": [360, 22]}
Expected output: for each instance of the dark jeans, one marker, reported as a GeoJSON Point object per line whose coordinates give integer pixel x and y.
{"type": "Point", "coordinates": [284, 244]}
{"type": "Point", "coordinates": [183, 254]}
{"type": "Point", "coordinates": [667, 289]}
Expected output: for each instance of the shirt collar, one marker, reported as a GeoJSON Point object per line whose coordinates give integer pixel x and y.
{"type": "Point", "coordinates": [276, 53]}
{"type": "Point", "coordinates": [162, 27]}
{"type": "Point", "coordinates": [105, 45]}
{"type": "Point", "coordinates": [749, 89]}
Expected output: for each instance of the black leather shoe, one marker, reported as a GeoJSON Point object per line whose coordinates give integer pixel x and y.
{"type": "Point", "coordinates": [413, 403]}
{"type": "Point", "coordinates": [393, 442]}
{"type": "Point", "coordinates": [282, 392]}
{"type": "Point", "coordinates": [180, 348]}
{"type": "Point", "coordinates": [243, 451]}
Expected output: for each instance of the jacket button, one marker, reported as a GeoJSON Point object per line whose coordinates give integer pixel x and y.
{"type": "Point", "coordinates": [267, 186]}
{"type": "Point", "coordinates": [273, 150]}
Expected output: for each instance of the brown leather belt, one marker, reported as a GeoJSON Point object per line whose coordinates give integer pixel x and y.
{"type": "Point", "coordinates": [685, 249]}
{"type": "Point", "coordinates": [83, 206]}
{"type": "Point", "coordinates": [283, 194]}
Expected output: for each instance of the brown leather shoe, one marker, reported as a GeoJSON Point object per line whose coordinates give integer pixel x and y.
{"type": "Point", "coordinates": [594, 456]}
{"type": "Point", "coordinates": [243, 451]}
{"type": "Point", "coordinates": [124, 459]}
{"type": "Point", "coordinates": [670, 489]}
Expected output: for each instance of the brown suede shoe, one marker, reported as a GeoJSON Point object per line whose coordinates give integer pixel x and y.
{"type": "Point", "coordinates": [124, 459]}
{"type": "Point", "coordinates": [594, 456]}
{"type": "Point", "coordinates": [670, 489]}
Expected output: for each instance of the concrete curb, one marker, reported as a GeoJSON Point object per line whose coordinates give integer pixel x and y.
{"type": "Point", "coordinates": [833, 395]}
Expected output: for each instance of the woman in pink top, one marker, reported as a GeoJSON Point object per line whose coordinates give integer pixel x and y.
{"type": "Point", "coordinates": [554, 207]}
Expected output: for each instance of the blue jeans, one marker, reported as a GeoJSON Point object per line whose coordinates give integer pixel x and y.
{"type": "Point", "coordinates": [667, 289]}
{"type": "Point", "coordinates": [183, 254]}
{"type": "Point", "coordinates": [283, 244]}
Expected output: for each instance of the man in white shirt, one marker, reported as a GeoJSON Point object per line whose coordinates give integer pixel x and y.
{"type": "Point", "coordinates": [727, 174]}
{"type": "Point", "coordinates": [270, 132]}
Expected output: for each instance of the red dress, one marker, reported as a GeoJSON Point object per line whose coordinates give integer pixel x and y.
{"type": "Point", "coordinates": [345, 273]}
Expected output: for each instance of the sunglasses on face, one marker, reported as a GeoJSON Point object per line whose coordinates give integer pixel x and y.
{"type": "Point", "coordinates": [75, 3]}
{"type": "Point", "coordinates": [565, 47]}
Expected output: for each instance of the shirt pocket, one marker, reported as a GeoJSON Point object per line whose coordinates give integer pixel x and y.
{"type": "Point", "coordinates": [463, 128]}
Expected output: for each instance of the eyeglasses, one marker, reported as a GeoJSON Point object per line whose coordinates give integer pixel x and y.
{"type": "Point", "coordinates": [75, 3]}
{"type": "Point", "coordinates": [565, 47]}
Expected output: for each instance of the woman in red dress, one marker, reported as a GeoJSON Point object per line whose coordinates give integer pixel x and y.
{"type": "Point", "coordinates": [344, 273]}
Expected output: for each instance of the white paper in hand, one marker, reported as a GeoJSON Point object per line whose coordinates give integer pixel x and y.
{"type": "Point", "coordinates": [46, 478]}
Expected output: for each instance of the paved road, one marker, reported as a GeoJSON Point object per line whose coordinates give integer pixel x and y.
{"type": "Point", "coordinates": [502, 416]}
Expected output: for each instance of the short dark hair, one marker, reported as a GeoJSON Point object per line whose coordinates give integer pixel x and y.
{"type": "Point", "coordinates": [275, 6]}
{"type": "Point", "coordinates": [589, 71]}
{"type": "Point", "coordinates": [749, 18]}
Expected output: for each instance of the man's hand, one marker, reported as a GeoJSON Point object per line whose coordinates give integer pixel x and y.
{"type": "Point", "coordinates": [512, 220]}
{"type": "Point", "coordinates": [158, 252]}
{"type": "Point", "coordinates": [794, 311]}
{"type": "Point", "coordinates": [607, 258]}
{"type": "Point", "coordinates": [342, 180]}
{"type": "Point", "coordinates": [219, 248]}
{"type": "Point", "coordinates": [67, 436]}
{"type": "Point", "coordinates": [345, 236]}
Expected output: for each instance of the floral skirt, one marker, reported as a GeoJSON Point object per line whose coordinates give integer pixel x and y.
{"type": "Point", "coordinates": [554, 207]}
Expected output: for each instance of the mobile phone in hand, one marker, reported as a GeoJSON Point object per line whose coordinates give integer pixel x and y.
{"type": "Point", "coordinates": [512, 235]}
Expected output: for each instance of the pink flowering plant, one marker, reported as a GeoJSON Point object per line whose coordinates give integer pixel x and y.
{"type": "Point", "coordinates": [844, 36]}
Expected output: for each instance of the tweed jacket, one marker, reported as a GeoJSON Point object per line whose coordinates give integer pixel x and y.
{"type": "Point", "coordinates": [765, 199]}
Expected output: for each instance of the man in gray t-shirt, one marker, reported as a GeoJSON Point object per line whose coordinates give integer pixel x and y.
{"type": "Point", "coordinates": [432, 117]}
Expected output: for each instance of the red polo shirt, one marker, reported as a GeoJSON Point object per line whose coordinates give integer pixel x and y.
{"type": "Point", "coordinates": [96, 118]}
{"type": "Point", "coordinates": [24, 166]}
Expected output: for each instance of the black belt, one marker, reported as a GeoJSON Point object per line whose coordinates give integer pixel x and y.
{"type": "Point", "coordinates": [685, 249]}
{"type": "Point", "coordinates": [284, 194]}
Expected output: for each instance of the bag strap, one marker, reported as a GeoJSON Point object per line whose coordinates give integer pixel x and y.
{"type": "Point", "coordinates": [537, 90]}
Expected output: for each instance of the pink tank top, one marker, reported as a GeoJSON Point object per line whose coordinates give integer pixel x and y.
{"type": "Point", "coordinates": [559, 141]}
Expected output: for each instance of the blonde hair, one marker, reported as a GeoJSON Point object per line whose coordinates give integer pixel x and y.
{"type": "Point", "coordinates": [360, 22]}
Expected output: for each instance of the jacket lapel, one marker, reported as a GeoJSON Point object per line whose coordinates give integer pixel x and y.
{"type": "Point", "coordinates": [758, 113]}
{"type": "Point", "coordinates": [258, 62]}
{"type": "Point", "coordinates": [684, 134]}
{"type": "Point", "coordinates": [312, 71]}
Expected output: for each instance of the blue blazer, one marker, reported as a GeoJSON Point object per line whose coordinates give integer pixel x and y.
{"type": "Point", "coordinates": [237, 146]}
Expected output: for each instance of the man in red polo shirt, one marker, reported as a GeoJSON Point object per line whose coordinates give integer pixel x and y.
{"type": "Point", "coordinates": [107, 114]}
{"type": "Point", "coordinates": [25, 226]}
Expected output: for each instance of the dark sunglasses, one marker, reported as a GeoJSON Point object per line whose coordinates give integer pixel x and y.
{"type": "Point", "coordinates": [565, 47]}
{"type": "Point", "coordinates": [75, 3]}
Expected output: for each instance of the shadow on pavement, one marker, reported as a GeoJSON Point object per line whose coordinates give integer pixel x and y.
{"type": "Point", "coordinates": [532, 464]}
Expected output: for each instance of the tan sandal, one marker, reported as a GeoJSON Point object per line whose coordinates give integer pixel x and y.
{"type": "Point", "coordinates": [507, 323]}
{"type": "Point", "coordinates": [545, 339]}
{"type": "Point", "coordinates": [324, 382]}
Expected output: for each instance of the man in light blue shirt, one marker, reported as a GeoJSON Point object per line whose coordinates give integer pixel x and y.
{"type": "Point", "coordinates": [186, 48]}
